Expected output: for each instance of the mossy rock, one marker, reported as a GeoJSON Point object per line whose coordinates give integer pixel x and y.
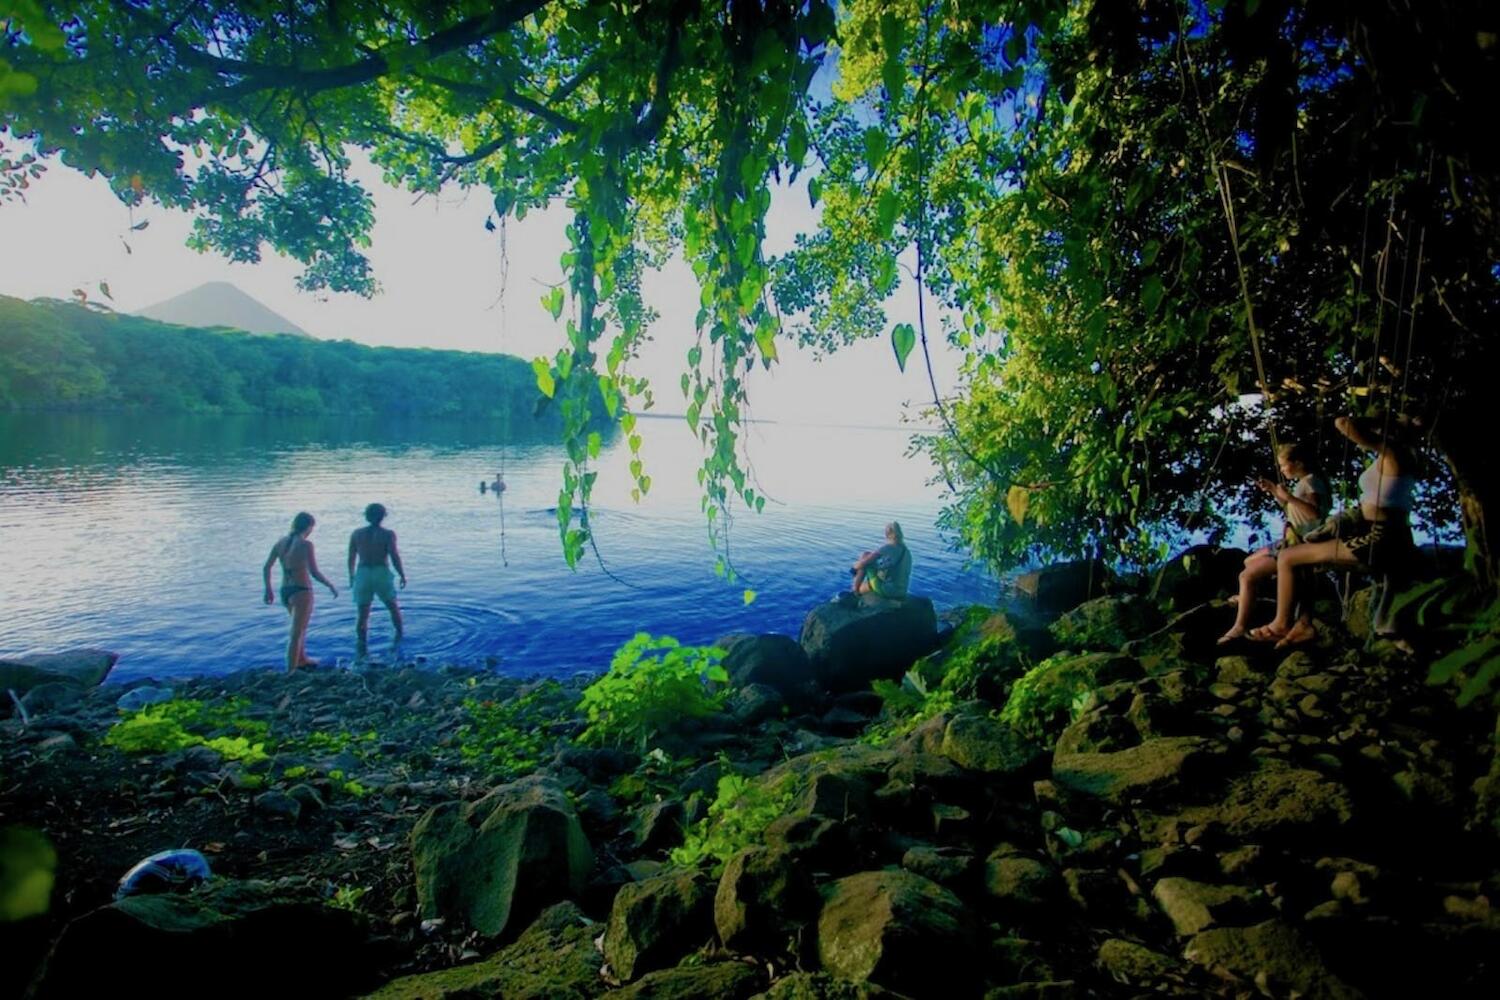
{"type": "Point", "coordinates": [553, 959]}
{"type": "Point", "coordinates": [654, 923]}
{"type": "Point", "coordinates": [893, 928]}
{"type": "Point", "coordinates": [1106, 623]}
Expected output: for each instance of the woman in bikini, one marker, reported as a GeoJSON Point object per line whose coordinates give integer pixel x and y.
{"type": "Point", "coordinates": [299, 568]}
{"type": "Point", "coordinates": [1376, 534]}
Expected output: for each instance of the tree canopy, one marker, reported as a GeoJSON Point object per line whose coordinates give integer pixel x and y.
{"type": "Point", "coordinates": [1158, 229]}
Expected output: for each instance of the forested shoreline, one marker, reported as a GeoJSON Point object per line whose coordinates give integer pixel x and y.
{"type": "Point", "coordinates": [60, 356]}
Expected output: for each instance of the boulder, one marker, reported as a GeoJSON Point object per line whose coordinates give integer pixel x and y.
{"type": "Point", "coordinates": [1277, 804]}
{"type": "Point", "coordinates": [1273, 956]}
{"type": "Point", "coordinates": [553, 959]}
{"type": "Point", "coordinates": [223, 934]}
{"type": "Point", "coordinates": [850, 646]}
{"type": "Point", "coordinates": [1022, 886]}
{"type": "Point", "coordinates": [720, 980]}
{"type": "Point", "coordinates": [894, 928]}
{"type": "Point", "coordinates": [1153, 768]}
{"type": "Point", "coordinates": [778, 661]}
{"type": "Point", "coordinates": [659, 826]}
{"type": "Point", "coordinates": [950, 866]}
{"type": "Point", "coordinates": [980, 743]}
{"type": "Point", "coordinates": [496, 861]}
{"type": "Point", "coordinates": [1133, 964]}
{"type": "Point", "coordinates": [821, 986]}
{"type": "Point", "coordinates": [755, 703]}
{"type": "Point", "coordinates": [1106, 623]}
{"type": "Point", "coordinates": [1054, 589]}
{"type": "Point", "coordinates": [654, 923]}
{"type": "Point", "coordinates": [1197, 574]}
{"type": "Point", "coordinates": [80, 667]}
{"type": "Point", "coordinates": [1196, 906]}
{"type": "Point", "coordinates": [763, 897]}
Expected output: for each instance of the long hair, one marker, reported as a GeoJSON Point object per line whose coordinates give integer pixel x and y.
{"type": "Point", "coordinates": [300, 524]}
{"type": "Point", "coordinates": [893, 530]}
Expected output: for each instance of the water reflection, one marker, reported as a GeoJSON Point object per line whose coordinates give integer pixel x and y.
{"type": "Point", "coordinates": [147, 535]}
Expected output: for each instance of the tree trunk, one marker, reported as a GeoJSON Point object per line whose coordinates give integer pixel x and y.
{"type": "Point", "coordinates": [1477, 476]}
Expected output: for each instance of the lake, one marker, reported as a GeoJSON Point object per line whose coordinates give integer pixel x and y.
{"type": "Point", "coordinates": [145, 534]}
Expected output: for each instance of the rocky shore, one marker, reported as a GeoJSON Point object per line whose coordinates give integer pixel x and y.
{"type": "Point", "coordinates": [1097, 801]}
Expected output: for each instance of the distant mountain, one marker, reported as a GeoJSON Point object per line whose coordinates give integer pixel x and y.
{"type": "Point", "coordinates": [218, 303]}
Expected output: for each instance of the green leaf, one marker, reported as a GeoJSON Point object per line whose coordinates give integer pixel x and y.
{"type": "Point", "coordinates": [553, 300]}
{"type": "Point", "coordinates": [796, 144]}
{"type": "Point", "coordinates": [1151, 293]}
{"type": "Point", "coordinates": [875, 146]}
{"type": "Point", "coordinates": [28, 863]}
{"type": "Point", "coordinates": [903, 339]}
{"type": "Point", "coordinates": [888, 207]}
{"type": "Point", "coordinates": [750, 596]}
{"type": "Point", "coordinates": [544, 380]}
{"type": "Point", "coordinates": [814, 191]}
{"type": "Point", "coordinates": [596, 442]}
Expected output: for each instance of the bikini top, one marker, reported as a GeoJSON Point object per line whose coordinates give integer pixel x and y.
{"type": "Point", "coordinates": [1385, 491]}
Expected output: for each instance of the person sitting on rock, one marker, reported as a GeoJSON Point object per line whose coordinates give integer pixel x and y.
{"type": "Point", "coordinates": [887, 570]}
{"type": "Point", "coordinates": [1306, 506]}
{"type": "Point", "coordinates": [1376, 535]}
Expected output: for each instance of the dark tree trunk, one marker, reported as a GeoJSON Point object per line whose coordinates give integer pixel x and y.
{"type": "Point", "coordinates": [1470, 454]}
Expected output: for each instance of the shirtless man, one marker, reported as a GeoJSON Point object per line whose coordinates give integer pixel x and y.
{"type": "Point", "coordinates": [375, 549]}
{"type": "Point", "coordinates": [299, 568]}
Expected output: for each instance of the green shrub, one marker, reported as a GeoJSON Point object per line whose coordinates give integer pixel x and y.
{"type": "Point", "coordinates": [188, 722]}
{"type": "Point", "coordinates": [514, 737]}
{"type": "Point", "coordinates": [654, 683]}
{"type": "Point", "coordinates": [1049, 696]}
{"type": "Point", "coordinates": [737, 819]}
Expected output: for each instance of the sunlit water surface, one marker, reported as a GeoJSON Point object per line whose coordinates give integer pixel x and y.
{"type": "Point", "coordinates": [146, 535]}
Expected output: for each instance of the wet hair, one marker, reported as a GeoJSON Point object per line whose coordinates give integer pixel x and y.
{"type": "Point", "coordinates": [375, 513]}
{"type": "Point", "coordinates": [300, 523]}
{"type": "Point", "coordinates": [894, 531]}
{"type": "Point", "coordinates": [1296, 453]}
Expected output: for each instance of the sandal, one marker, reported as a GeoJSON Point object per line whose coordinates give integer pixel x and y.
{"type": "Point", "coordinates": [1266, 633]}
{"type": "Point", "coordinates": [1297, 635]}
{"type": "Point", "coordinates": [1231, 636]}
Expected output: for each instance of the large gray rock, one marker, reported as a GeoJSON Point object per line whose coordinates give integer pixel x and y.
{"type": "Point", "coordinates": [980, 743]}
{"type": "Point", "coordinates": [1275, 957]}
{"type": "Point", "coordinates": [776, 660]}
{"type": "Point", "coordinates": [217, 941]}
{"type": "Point", "coordinates": [654, 923]}
{"type": "Point", "coordinates": [1275, 804]}
{"type": "Point", "coordinates": [720, 980]}
{"type": "Point", "coordinates": [1022, 886]}
{"type": "Point", "coordinates": [894, 928]}
{"type": "Point", "coordinates": [763, 896]}
{"type": "Point", "coordinates": [1153, 768]}
{"type": "Point", "coordinates": [1197, 574]}
{"type": "Point", "coordinates": [83, 667]}
{"type": "Point", "coordinates": [553, 959]}
{"type": "Point", "coordinates": [497, 861]}
{"type": "Point", "coordinates": [1055, 589]}
{"type": "Point", "coordinates": [821, 986]}
{"type": "Point", "coordinates": [1196, 906]}
{"type": "Point", "coordinates": [871, 639]}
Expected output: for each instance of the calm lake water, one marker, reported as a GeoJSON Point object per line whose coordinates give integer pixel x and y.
{"type": "Point", "coordinates": [146, 535]}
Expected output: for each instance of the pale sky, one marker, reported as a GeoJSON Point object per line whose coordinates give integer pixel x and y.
{"type": "Point", "coordinates": [440, 273]}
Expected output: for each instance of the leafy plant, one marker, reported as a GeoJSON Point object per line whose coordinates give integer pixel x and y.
{"type": "Point", "coordinates": [187, 722]}
{"type": "Point", "coordinates": [347, 897]}
{"type": "Point", "coordinates": [513, 737]}
{"type": "Point", "coordinates": [1459, 612]}
{"type": "Point", "coordinates": [654, 683]}
{"type": "Point", "coordinates": [1049, 696]}
{"type": "Point", "coordinates": [738, 818]}
{"type": "Point", "coordinates": [28, 866]}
